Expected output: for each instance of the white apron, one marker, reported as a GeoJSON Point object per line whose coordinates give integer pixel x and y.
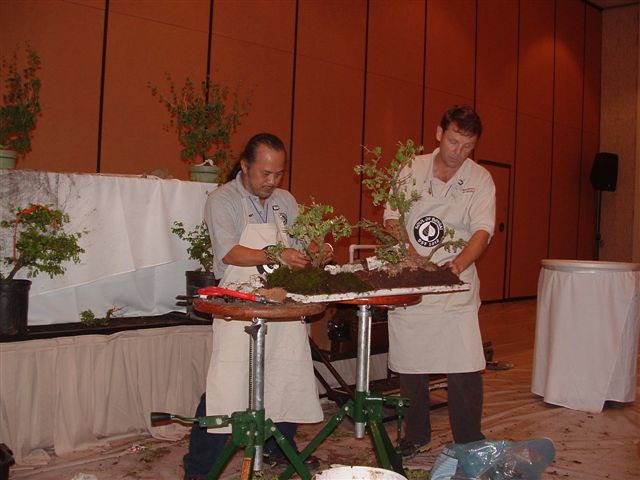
{"type": "Point", "coordinates": [441, 334]}
{"type": "Point", "coordinates": [290, 391]}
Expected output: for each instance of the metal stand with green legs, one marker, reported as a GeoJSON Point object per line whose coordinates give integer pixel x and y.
{"type": "Point", "coordinates": [367, 409]}
{"type": "Point", "coordinates": [249, 428]}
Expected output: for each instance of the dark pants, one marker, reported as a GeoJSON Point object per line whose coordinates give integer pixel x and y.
{"type": "Point", "coordinates": [205, 448]}
{"type": "Point", "coordinates": [465, 407]}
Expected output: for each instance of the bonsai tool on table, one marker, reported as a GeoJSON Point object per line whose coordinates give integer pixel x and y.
{"type": "Point", "coordinates": [249, 428]}
{"type": "Point", "coordinates": [273, 295]}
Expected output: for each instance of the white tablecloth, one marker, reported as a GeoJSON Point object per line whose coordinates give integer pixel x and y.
{"type": "Point", "coordinates": [131, 260]}
{"type": "Point", "coordinates": [587, 330]}
{"type": "Point", "coordinates": [72, 393]}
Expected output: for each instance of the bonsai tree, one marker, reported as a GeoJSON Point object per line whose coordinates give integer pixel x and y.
{"type": "Point", "coordinates": [20, 107]}
{"type": "Point", "coordinates": [392, 186]}
{"type": "Point", "coordinates": [204, 116]}
{"type": "Point", "coordinates": [40, 242]}
{"type": "Point", "coordinates": [199, 244]}
{"type": "Point", "coordinates": [312, 227]}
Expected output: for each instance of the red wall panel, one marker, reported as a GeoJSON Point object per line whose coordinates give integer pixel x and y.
{"type": "Point", "coordinates": [147, 39]}
{"type": "Point", "coordinates": [565, 192]}
{"type": "Point", "coordinates": [68, 38]}
{"type": "Point", "coordinates": [450, 61]}
{"type": "Point", "coordinates": [591, 132]}
{"type": "Point", "coordinates": [329, 99]}
{"type": "Point", "coordinates": [252, 48]}
{"type": "Point", "coordinates": [496, 78]}
{"type": "Point", "coordinates": [532, 174]}
{"type": "Point", "coordinates": [531, 202]}
{"type": "Point", "coordinates": [567, 138]}
{"type": "Point", "coordinates": [393, 110]}
{"type": "Point", "coordinates": [535, 59]}
{"type": "Point", "coordinates": [569, 54]}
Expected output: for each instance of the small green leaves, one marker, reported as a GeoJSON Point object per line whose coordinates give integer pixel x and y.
{"type": "Point", "coordinates": [41, 243]}
{"type": "Point", "coordinates": [204, 117]}
{"type": "Point", "coordinates": [199, 244]}
{"type": "Point", "coordinates": [392, 186]}
{"type": "Point", "coordinates": [312, 226]}
{"type": "Point", "coordinates": [20, 101]}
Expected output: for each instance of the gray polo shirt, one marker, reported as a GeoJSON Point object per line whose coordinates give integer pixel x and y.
{"type": "Point", "coordinates": [225, 216]}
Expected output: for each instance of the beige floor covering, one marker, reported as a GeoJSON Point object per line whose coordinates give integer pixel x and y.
{"type": "Point", "coordinates": [588, 446]}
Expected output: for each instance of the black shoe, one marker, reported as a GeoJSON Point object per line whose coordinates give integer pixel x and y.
{"type": "Point", "coordinates": [409, 450]}
{"type": "Point", "coordinates": [311, 462]}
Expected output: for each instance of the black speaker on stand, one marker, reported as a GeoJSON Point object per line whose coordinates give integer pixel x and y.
{"type": "Point", "coordinates": [604, 176]}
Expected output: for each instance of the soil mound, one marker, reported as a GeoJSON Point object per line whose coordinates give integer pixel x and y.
{"type": "Point", "coordinates": [413, 271]}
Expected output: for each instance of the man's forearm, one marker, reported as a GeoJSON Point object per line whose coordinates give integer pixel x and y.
{"type": "Point", "coordinates": [245, 257]}
{"type": "Point", "coordinates": [471, 252]}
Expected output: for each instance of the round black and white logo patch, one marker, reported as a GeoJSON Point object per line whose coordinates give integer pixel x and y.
{"type": "Point", "coordinates": [428, 231]}
{"type": "Point", "coordinates": [264, 269]}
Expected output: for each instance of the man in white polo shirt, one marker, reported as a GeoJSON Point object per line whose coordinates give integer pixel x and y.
{"type": "Point", "coordinates": [442, 333]}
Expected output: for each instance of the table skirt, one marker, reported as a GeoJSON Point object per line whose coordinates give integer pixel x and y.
{"type": "Point", "coordinates": [71, 393]}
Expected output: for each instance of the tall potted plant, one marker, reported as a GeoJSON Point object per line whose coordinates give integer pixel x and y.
{"type": "Point", "coordinates": [40, 244]}
{"type": "Point", "coordinates": [20, 105]}
{"type": "Point", "coordinates": [205, 117]}
{"type": "Point", "coordinates": [199, 249]}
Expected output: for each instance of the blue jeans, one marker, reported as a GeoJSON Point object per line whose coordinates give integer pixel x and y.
{"type": "Point", "coordinates": [205, 447]}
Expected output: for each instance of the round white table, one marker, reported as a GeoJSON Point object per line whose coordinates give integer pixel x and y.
{"type": "Point", "coordinates": [587, 330]}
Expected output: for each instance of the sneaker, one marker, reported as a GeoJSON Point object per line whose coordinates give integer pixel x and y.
{"type": "Point", "coordinates": [410, 450]}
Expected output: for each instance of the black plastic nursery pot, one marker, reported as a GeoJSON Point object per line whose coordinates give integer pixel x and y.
{"type": "Point", "coordinates": [195, 281]}
{"type": "Point", "coordinates": [14, 306]}
{"type": "Point", "coordinates": [6, 460]}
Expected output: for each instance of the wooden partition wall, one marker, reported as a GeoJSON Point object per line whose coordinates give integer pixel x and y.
{"type": "Point", "coordinates": [328, 77]}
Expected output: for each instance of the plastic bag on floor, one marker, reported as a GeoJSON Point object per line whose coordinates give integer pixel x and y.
{"type": "Point", "coordinates": [494, 460]}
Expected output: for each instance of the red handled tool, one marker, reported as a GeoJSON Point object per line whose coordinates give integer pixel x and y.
{"type": "Point", "coordinates": [220, 291]}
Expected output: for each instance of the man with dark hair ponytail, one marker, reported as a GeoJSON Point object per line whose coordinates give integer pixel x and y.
{"type": "Point", "coordinates": [246, 216]}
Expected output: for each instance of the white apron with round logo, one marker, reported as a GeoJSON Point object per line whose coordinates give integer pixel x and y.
{"type": "Point", "coordinates": [290, 391]}
{"type": "Point", "coordinates": [441, 334]}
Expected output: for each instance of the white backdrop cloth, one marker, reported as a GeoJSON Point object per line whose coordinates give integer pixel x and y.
{"type": "Point", "coordinates": [587, 330]}
{"type": "Point", "coordinates": [131, 261]}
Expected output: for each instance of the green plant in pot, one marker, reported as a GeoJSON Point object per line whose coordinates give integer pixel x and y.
{"type": "Point", "coordinates": [199, 250]}
{"type": "Point", "coordinates": [39, 244]}
{"type": "Point", "coordinates": [20, 89]}
{"type": "Point", "coordinates": [205, 116]}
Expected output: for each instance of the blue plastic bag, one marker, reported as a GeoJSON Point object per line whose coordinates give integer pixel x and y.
{"type": "Point", "coordinates": [494, 460]}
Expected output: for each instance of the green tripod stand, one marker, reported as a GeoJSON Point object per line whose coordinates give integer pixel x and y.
{"type": "Point", "coordinates": [250, 429]}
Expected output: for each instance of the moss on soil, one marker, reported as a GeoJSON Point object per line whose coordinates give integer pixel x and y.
{"type": "Point", "coordinates": [313, 281]}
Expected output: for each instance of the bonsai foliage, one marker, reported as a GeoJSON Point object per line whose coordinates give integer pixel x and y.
{"type": "Point", "coordinates": [40, 243]}
{"type": "Point", "coordinates": [20, 107]}
{"type": "Point", "coordinates": [204, 116]}
{"type": "Point", "coordinates": [391, 186]}
{"type": "Point", "coordinates": [199, 244]}
{"type": "Point", "coordinates": [448, 245]}
{"type": "Point", "coordinates": [312, 227]}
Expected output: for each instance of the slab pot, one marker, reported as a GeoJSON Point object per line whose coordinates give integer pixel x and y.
{"type": "Point", "coordinates": [14, 306]}
{"type": "Point", "coordinates": [7, 159]}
